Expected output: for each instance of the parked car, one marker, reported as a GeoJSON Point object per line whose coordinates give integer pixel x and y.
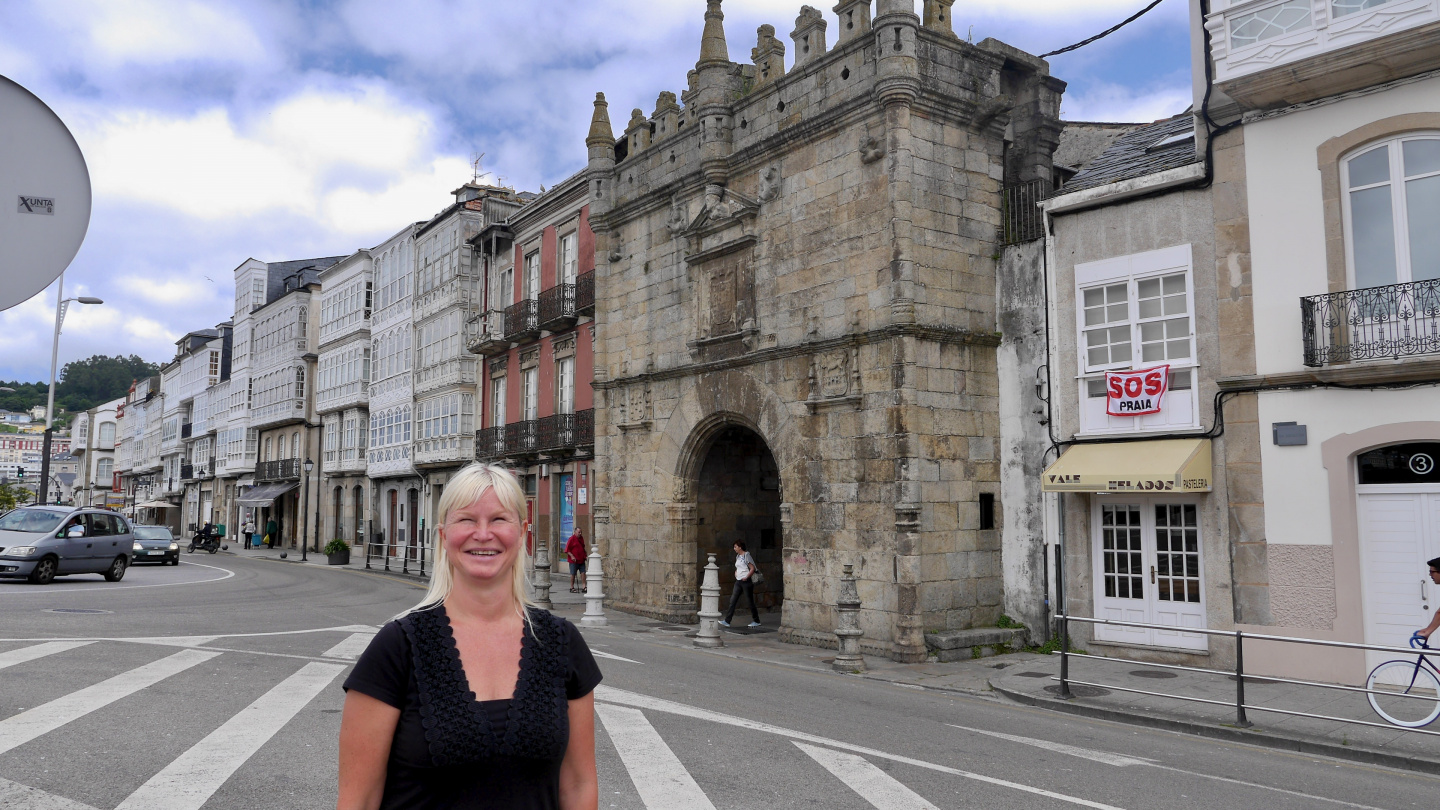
{"type": "Point", "coordinates": [40, 543]}
{"type": "Point", "coordinates": [155, 544]}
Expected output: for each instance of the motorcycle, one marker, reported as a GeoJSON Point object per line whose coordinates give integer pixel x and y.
{"type": "Point", "coordinates": [204, 543]}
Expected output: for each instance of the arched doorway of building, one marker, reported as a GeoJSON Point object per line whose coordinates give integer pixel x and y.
{"type": "Point", "coordinates": [737, 497]}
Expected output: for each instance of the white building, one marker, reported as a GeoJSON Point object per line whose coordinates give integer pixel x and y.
{"type": "Point", "coordinates": [342, 394]}
{"type": "Point", "coordinates": [93, 444]}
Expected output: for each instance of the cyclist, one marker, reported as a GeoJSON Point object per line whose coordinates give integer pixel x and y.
{"type": "Point", "coordinates": [1435, 578]}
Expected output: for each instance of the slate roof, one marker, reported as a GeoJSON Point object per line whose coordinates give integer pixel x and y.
{"type": "Point", "coordinates": [1131, 156]}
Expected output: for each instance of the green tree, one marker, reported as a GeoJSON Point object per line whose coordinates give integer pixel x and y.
{"type": "Point", "coordinates": [12, 496]}
{"type": "Point", "coordinates": [83, 384]}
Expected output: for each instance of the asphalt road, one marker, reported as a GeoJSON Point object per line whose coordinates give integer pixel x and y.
{"type": "Point", "coordinates": [226, 694]}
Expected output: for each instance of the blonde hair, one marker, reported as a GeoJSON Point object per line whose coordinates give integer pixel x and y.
{"type": "Point", "coordinates": [468, 486]}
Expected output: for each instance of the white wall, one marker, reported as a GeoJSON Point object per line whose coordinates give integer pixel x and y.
{"type": "Point", "coordinates": [1287, 220]}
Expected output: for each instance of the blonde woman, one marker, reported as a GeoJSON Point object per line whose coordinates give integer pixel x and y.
{"type": "Point", "coordinates": [474, 698]}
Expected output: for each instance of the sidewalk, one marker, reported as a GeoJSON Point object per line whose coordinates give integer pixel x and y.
{"type": "Point", "coordinates": [1032, 679]}
{"type": "Point", "coordinates": [1036, 683]}
{"type": "Point", "coordinates": [357, 560]}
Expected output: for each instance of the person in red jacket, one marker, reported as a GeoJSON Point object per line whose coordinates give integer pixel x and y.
{"type": "Point", "coordinates": [575, 553]}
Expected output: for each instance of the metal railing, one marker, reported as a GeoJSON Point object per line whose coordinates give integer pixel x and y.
{"type": "Point", "coordinates": [522, 320]}
{"type": "Point", "coordinates": [187, 472]}
{"type": "Point", "coordinates": [557, 307]}
{"type": "Point", "coordinates": [407, 554]}
{"type": "Point", "coordinates": [585, 293]}
{"type": "Point", "coordinates": [1021, 219]}
{"type": "Point", "coordinates": [489, 333]}
{"type": "Point", "coordinates": [186, 430]}
{"type": "Point", "coordinates": [490, 443]}
{"type": "Point", "coordinates": [1238, 673]}
{"type": "Point", "coordinates": [522, 437]}
{"type": "Point", "coordinates": [1375, 323]}
{"type": "Point", "coordinates": [281, 470]}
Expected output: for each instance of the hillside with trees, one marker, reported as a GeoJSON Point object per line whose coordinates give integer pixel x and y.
{"type": "Point", "coordinates": [83, 384]}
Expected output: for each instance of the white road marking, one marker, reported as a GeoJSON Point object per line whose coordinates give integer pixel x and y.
{"type": "Point", "coordinates": [1102, 757]}
{"type": "Point", "coordinates": [194, 776]}
{"type": "Point", "coordinates": [27, 725]}
{"type": "Point", "coordinates": [20, 656]}
{"type": "Point", "coordinates": [349, 628]}
{"type": "Point", "coordinates": [175, 641]}
{"type": "Point", "coordinates": [351, 647]}
{"type": "Point", "coordinates": [100, 587]}
{"type": "Point", "coordinates": [1122, 761]}
{"type": "Point", "coordinates": [613, 695]}
{"type": "Point", "coordinates": [861, 775]}
{"type": "Point", "coordinates": [611, 656]}
{"type": "Point", "coordinates": [19, 796]}
{"type": "Point", "coordinates": [660, 779]}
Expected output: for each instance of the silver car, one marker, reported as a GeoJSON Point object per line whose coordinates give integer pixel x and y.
{"type": "Point", "coordinates": [39, 543]}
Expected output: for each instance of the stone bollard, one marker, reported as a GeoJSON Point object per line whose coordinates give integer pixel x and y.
{"type": "Point", "coordinates": [709, 635]}
{"type": "Point", "coordinates": [847, 625]}
{"type": "Point", "coordinates": [542, 575]}
{"type": "Point", "coordinates": [594, 594]}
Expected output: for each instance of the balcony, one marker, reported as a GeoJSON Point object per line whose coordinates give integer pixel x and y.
{"type": "Point", "coordinates": [521, 438]}
{"type": "Point", "coordinates": [1377, 323]}
{"type": "Point", "coordinates": [285, 469]}
{"type": "Point", "coordinates": [186, 430]}
{"type": "Point", "coordinates": [490, 443]}
{"type": "Point", "coordinates": [557, 307]}
{"type": "Point", "coordinates": [445, 450]}
{"type": "Point", "coordinates": [490, 334]}
{"type": "Point", "coordinates": [565, 432]}
{"type": "Point", "coordinates": [187, 472]}
{"type": "Point", "coordinates": [522, 321]}
{"type": "Point", "coordinates": [585, 293]}
{"type": "Point", "coordinates": [1270, 53]}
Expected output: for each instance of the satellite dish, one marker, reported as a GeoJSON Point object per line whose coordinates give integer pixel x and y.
{"type": "Point", "coordinates": [44, 195]}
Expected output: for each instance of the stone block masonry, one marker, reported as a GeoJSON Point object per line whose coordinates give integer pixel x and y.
{"type": "Point", "coordinates": [797, 329]}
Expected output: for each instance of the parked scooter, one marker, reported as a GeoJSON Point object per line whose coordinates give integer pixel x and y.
{"type": "Point", "coordinates": [205, 542]}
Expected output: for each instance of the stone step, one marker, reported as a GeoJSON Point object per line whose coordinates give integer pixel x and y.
{"type": "Point", "coordinates": [978, 642]}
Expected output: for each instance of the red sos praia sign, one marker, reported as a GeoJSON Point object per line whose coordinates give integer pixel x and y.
{"type": "Point", "coordinates": [1136, 393]}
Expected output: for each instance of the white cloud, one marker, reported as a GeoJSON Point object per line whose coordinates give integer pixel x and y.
{"type": "Point", "coordinates": [306, 155]}
{"type": "Point", "coordinates": [156, 31]}
{"type": "Point", "coordinates": [1113, 102]}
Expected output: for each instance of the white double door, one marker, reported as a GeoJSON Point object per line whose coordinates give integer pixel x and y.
{"type": "Point", "coordinates": [1399, 532]}
{"type": "Point", "coordinates": [1149, 569]}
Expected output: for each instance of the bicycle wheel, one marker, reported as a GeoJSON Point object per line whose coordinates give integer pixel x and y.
{"type": "Point", "coordinates": [1407, 696]}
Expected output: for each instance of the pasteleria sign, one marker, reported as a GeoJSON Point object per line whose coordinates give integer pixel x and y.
{"type": "Point", "coordinates": [1136, 393]}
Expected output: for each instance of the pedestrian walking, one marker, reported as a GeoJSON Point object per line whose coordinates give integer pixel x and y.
{"type": "Point", "coordinates": [249, 533]}
{"type": "Point", "coordinates": [272, 531]}
{"type": "Point", "coordinates": [744, 583]}
{"type": "Point", "coordinates": [575, 553]}
{"type": "Point", "coordinates": [474, 698]}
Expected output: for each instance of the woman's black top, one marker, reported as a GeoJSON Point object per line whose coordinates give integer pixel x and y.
{"type": "Point", "coordinates": [452, 751]}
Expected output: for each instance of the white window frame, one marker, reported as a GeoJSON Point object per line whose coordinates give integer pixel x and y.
{"type": "Point", "coordinates": [497, 401]}
{"type": "Point", "coordinates": [565, 385]}
{"type": "Point", "coordinates": [529, 394]}
{"type": "Point", "coordinates": [1399, 206]}
{"type": "Point", "coordinates": [530, 282]}
{"type": "Point", "coordinates": [568, 256]}
{"type": "Point", "coordinates": [1131, 270]}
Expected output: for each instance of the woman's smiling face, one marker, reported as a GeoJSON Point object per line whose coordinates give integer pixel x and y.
{"type": "Point", "coordinates": [482, 539]}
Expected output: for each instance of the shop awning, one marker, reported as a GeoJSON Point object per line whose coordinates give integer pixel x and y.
{"type": "Point", "coordinates": [265, 494]}
{"type": "Point", "coordinates": [1163, 465]}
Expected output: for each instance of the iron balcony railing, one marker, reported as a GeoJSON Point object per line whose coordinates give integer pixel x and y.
{"type": "Point", "coordinates": [187, 472]}
{"type": "Point", "coordinates": [490, 333]}
{"type": "Point", "coordinates": [555, 432]}
{"type": "Point", "coordinates": [186, 430]}
{"type": "Point", "coordinates": [522, 438]}
{"type": "Point", "coordinates": [522, 320]}
{"type": "Point", "coordinates": [284, 469]}
{"type": "Point", "coordinates": [490, 443]}
{"type": "Point", "coordinates": [557, 307]}
{"type": "Point", "coordinates": [585, 293]}
{"type": "Point", "coordinates": [1400, 320]}
{"type": "Point", "coordinates": [1020, 217]}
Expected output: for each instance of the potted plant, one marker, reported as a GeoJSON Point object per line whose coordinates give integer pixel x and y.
{"type": "Point", "coordinates": [337, 552]}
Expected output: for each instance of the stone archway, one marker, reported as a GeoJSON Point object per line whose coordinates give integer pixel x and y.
{"type": "Point", "coordinates": [737, 498]}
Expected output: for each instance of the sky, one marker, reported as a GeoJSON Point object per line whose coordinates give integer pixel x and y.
{"type": "Point", "coordinates": [221, 130]}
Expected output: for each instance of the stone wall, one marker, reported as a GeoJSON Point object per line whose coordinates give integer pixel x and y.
{"type": "Point", "coordinates": [810, 256]}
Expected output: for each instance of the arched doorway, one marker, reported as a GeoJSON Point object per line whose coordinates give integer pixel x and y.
{"type": "Point", "coordinates": [737, 494]}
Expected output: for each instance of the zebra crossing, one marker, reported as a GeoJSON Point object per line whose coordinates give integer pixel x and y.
{"type": "Point", "coordinates": [645, 760]}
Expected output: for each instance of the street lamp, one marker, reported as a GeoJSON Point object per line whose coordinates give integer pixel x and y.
{"type": "Point", "coordinates": [305, 524]}
{"type": "Point", "coordinates": [61, 304]}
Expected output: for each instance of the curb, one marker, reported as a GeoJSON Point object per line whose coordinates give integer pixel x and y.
{"type": "Point", "coordinates": [1369, 756]}
{"type": "Point", "coordinates": [412, 578]}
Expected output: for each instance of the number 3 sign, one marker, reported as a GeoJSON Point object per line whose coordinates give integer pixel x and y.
{"type": "Point", "coordinates": [1136, 393]}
